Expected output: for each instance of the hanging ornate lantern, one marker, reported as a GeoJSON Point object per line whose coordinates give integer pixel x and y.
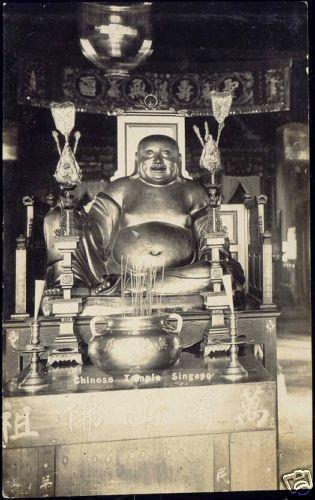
{"type": "Point", "coordinates": [116, 38]}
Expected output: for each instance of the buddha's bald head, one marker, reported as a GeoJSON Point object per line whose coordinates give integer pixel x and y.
{"type": "Point", "coordinates": [158, 159]}
{"type": "Point", "coordinates": [158, 138]}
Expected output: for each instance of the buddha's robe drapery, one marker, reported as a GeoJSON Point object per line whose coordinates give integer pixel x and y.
{"type": "Point", "coordinates": [91, 260]}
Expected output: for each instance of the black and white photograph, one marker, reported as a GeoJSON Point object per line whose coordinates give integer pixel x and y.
{"type": "Point", "coordinates": [156, 249]}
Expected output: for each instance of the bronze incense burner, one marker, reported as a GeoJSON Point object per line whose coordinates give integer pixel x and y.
{"type": "Point", "coordinates": [136, 343]}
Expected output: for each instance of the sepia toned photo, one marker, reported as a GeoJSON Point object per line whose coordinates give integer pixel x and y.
{"type": "Point", "coordinates": [156, 249]}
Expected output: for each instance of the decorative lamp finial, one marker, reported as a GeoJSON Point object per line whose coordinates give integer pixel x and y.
{"type": "Point", "coordinates": [68, 172]}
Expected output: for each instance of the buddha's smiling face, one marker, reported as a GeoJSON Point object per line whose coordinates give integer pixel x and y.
{"type": "Point", "coordinates": [158, 160]}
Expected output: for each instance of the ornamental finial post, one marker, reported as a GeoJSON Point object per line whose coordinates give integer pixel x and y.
{"type": "Point", "coordinates": [68, 173]}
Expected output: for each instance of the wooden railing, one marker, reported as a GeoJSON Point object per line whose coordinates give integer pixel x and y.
{"type": "Point", "coordinates": [260, 283]}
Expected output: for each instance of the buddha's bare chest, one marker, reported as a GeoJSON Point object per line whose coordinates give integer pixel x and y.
{"type": "Point", "coordinates": [156, 204]}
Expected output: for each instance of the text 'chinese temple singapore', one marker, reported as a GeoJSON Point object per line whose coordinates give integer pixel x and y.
{"type": "Point", "coordinates": [156, 246]}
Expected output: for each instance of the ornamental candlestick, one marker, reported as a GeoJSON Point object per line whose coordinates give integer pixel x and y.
{"type": "Point", "coordinates": [68, 175]}
{"type": "Point", "coordinates": [214, 234]}
{"type": "Point", "coordinates": [234, 370]}
{"type": "Point", "coordinates": [35, 379]}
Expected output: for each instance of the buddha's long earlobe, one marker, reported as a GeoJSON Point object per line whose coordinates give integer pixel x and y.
{"type": "Point", "coordinates": [136, 162]}
{"type": "Point", "coordinates": [179, 164]}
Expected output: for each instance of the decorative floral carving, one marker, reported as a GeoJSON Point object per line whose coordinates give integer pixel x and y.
{"type": "Point", "coordinates": [270, 326]}
{"type": "Point", "coordinates": [255, 90]}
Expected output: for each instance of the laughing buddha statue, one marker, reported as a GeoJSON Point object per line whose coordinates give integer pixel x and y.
{"type": "Point", "coordinates": [153, 218]}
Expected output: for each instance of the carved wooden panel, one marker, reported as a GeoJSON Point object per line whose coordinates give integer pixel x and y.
{"type": "Point", "coordinates": [126, 414]}
{"type": "Point", "coordinates": [222, 463]}
{"type": "Point", "coordinates": [267, 273]}
{"type": "Point", "coordinates": [200, 463]}
{"type": "Point", "coordinates": [253, 223]}
{"type": "Point", "coordinates": [11, 485]}
{"type": "Point", "coordinates": [258, 87]}
{"type": "Point", "coordinates": [253, 461]}
{"type": "Point", "coordinates": [29, 472]}
{"type": "Point", "coordinates": [167, 465]}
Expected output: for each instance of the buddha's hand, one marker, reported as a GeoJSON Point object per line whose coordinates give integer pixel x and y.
{"type": "Point", "coordinates": [108, 285]}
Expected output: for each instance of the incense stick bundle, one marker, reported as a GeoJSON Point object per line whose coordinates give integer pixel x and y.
{"type": "Point", "coordinates": [141, 282]}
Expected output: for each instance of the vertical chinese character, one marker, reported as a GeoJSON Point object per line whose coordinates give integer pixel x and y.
{"type": "Point", "coordinates": [84, 418]}
{"type": "Point", "coordinates": [137, 89]}
{"type": "Point", "coordinates": [17, 425]}
{"type": "Point", "coordinates": [45, 486]}
{"type": "Point", "coordinates": [114, 90]}
{"type": "Point", "coordinates": [87, 86]}
{"type": "Point", "coordinates": [185, 90]}
{"type": "Point", "coordinates": [163, 92]}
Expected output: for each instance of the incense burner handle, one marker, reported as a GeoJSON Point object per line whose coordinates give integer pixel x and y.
{"type": "Point", "coordinates": [167, 321]}
{"type": "Point", "coordinates": [93, 322]}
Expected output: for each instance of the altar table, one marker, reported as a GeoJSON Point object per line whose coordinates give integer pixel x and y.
{"type": "Point", "coordinates": [256, 324]}
{"type": "Point", "coordinates": [184, 429]}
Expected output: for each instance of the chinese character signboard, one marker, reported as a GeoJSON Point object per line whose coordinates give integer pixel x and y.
{"type": "Point", "coordinates": [257, 89]}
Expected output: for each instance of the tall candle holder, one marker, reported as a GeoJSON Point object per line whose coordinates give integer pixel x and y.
{"type": "Point", "coordinates": [36, 378]}
{"type": "Point", "coordinates": [234, 370]}
{"type": "Point", "coordinates": [214, 234]}
{"type": "Point", "coordinates": [66, 345]}
{"type": "Point", "coordinates": [68, 175]}
{"type": "Point", "coordinates": [215, 300]}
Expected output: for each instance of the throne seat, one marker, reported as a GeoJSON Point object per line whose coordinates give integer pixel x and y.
{"type": "Point", "coordinates": [113, 305]}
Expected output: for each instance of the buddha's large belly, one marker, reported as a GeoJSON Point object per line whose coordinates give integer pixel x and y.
{"type": "Point", "coordinates": [154, 244]}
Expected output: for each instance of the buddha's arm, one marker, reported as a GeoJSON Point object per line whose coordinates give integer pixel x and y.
{"type": "Point", "coordinates": [103, 220]}
{"type": "Point", "coordinates": [52, 223]}
{"type": "Point", "coordinates": [199, 202]}
{"type": "Point", "coordinates": [94, 248]}
{"type": "Point", "coordinates": [97, 229]}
